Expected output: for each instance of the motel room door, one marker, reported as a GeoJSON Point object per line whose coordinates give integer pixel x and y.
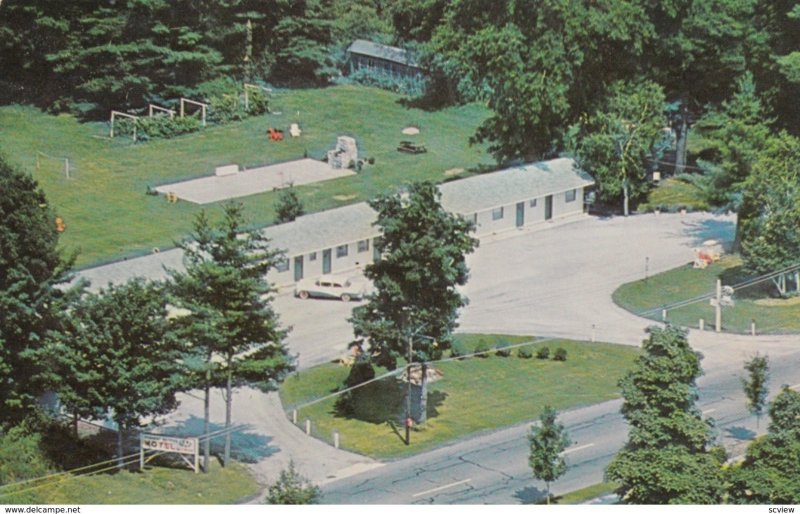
{"type": "Point", "coordinates": [548, 207]}
{"type": "Point", "coordinates": [326, 261]}
{"type": "Point", "coordinates": [298, 268]}
{"type": "Point", "coordinates": [520, 214]}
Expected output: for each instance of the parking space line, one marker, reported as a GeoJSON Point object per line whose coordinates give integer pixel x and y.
{"type": "Point", "coordinates": [708, 411]}
{"type": "Point", "coordinates": [577, 448]}
{"type": "Point", "coordinates": [442, 488]}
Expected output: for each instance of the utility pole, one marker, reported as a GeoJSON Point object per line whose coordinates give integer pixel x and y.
{"type": "Point", "coordinates": [408, 392]}
{"type": "Point", "coordinates": [718, 319]}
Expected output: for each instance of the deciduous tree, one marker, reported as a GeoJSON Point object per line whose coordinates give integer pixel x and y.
{"type": "Point", "coordinates": [415, 302]}
{"type": "Point", "coordinates": [769, 218]}
{"type": "Point", "coordinates": [666, 459]}
{"type": "Point", "coordinates": [547, 442]}
{"type": "Point", "coordinates": [755, 385]}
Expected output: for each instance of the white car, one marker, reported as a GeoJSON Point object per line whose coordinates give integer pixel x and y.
{"type": "Point", "coordinates": [329, 287]}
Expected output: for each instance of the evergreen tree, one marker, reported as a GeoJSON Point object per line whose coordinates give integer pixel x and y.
{"type": "Point", "coordinates": [30, 268]}
{"type": "Point", "coordinates": [234, 335]}
{"type": "Point", "coordinates": [289, 206]}
{"type": "Point", "coordinates": [292, 489]}
{"type": "Point", "coordinates": [112, 357]}
{"type": "Point", "coordinates": [666, 459]}
{"type": "Point", "coordinates": [416, 302]}
{"type": "Point", "coordinates": [547, 442]}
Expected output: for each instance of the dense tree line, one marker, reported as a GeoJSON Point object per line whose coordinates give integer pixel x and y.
{"type": "Point", "coordinates": [123, 353]}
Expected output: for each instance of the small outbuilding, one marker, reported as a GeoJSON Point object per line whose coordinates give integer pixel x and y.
{"type": "Point", "coordinates": [390, 60]}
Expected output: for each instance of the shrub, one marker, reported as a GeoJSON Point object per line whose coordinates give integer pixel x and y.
{"type": "Point", "coordinates": [164, 127]}
{"type": "Point", "coordinates": [543, 352]}
{"type": "Point", "coordinates": [458, 349]}
{"type": "Point", "coordinates": [482, 349]}
{"type": "Point", "coordinates": [560, 355]}
{"type": "Point", "coordinates": [292, 489]}
{"type": "Point", "coordinates": [502, 349]}
{"type": "Point", "coordinates": [525, 353]}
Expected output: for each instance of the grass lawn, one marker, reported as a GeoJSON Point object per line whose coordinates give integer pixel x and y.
{"type": "Point", "coordinates": [474, 395]}
{"type": "Point", "coordinates": [672, 194]}
{"type": "Point", "coordinates": [156, 485]}
{"type": "Point", "coordinates": [586, 494]}
{"type": "Point", "coordinates": [753, 303]}
{"type": "Point", "coordinates": [108, 216]}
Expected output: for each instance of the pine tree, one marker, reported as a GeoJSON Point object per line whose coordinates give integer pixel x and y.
{"type": "Point", "coordinates": [234, 335]}
{"type": "Point", "coordinates": [755, 385]}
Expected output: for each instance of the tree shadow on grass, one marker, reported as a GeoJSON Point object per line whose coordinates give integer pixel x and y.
{"type": "Point", "coordinates": [246, 446]}
{"type": "Point", "coordinates": [530, 495]}
{"type": "Point", "coordinates": [382, 402]}
{"type": "Point", "coordinates": [741, 433]}
{"type": "Point", "coordinates": [737, 275]}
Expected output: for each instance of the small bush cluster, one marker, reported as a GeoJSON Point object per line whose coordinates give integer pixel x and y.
{"type": "Point", "coordinates": [543, 352]}
{"type": "Point", "coordinates": [525, 353]}
{"type": "Point", "coordinates": [404, 85]}
{"type": "Point", "coordinates": [458, 349]}
{"type": "Point", "coordinates": [502, 349]}
{"type": "Point", "coordinates": [482, 349]}
{"type": "Point", "coordinates": [560, 355]}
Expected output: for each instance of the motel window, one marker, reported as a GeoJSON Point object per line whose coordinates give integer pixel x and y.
{"type": "Point", "coordinates": [282, 266]}
{"type": "Point", "coordinates": [532, 203]}
{"type": "Point", "coordinates": [312, 256]}
{"type": "Point", "coordinates": [497, 214]}
{"type": "Point", "coordinates": [341, 251]}
{"type": "Point", "coordinates": [363, 245]}
{"type": "Point", "coordinates": [571, 195]}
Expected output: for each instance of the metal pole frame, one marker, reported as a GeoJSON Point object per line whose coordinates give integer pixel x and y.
{"type": "Point", "coordinates": [150, 108]}
{"type": "Point", "coordinates": [126, 115]}
{"type": "Point", "coordinates": [201, 104]}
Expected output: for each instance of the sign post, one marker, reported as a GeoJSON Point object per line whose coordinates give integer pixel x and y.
{"type": "Point", "coordinates": [159, 444]}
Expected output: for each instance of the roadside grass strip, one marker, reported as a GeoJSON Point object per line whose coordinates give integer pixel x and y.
{"type": "Point", "coordinates": [752, 303]}
{"type": "Point", "coordinates": [103, 203]}
{"type": "Point", "coordinates": [154, 485]}
{"type": "Point", "coordinates": [474, 395]}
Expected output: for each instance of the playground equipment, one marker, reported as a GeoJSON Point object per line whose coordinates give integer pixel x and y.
{"type": "Point", "coordinates": [709, 252]}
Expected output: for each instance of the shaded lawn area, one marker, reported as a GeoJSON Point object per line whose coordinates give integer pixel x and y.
{"type": "Point", "coordinates": [153, 486]}
{"type": "Point", "coordinates": [772, 315]}
{"type": "Point", "coordinates": [108, 216]}
{"type": "Point", "coordinates": [475, 395]}
{"type": "Point", "coordinates": [672, 194]}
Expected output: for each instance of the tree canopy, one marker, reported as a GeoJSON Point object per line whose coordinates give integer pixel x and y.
{"type": "Point", "coordinates": [547, 442]}
{"type": "Point", "coordinates": [230, 327]}
{"type": "Point", "coordinates": [423, 249]}
{"type": "Point", "coordinates": [30, 268]}
{"type": "Point", "coordinates": [666, 459]}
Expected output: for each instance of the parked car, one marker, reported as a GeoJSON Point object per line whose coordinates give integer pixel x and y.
{"type": "Point", "coordinates": [329, 287]}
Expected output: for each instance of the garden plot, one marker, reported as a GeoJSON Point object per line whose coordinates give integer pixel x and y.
{"type": "Point", "coordinates": [253, 181]}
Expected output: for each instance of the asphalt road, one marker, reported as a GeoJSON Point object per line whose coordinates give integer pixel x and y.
{"type": "Point", "coordinates": [493, 469]}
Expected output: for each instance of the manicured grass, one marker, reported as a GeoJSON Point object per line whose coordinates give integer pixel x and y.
{"type": "Point", "coordinates": [673, 194]}
{"type": "Point", "coordinates": [108, 216]}
{"type": "Point", "coordinates": [156, 485]}
{"type": "Point", "coordinates": [474, 395]}
{"type": "Point", "coordinates": [752, 303]}
{"type": "Point", "coordinates": [586, 494]}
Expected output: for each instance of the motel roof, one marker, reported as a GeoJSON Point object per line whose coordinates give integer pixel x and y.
{"type": "Point", "coordinates": [512, 185]}
{"type": "Point", "coordinates": [351, 223]}
{"type": "Point", "coordinates": [326, 229]}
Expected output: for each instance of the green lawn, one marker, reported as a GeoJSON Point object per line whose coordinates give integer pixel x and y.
{"type": "Point", "coordinates": [156, 485]}
{"type": "Point", "coordinates": [753, 303]}
{"type": "Point", "coordinates": [108, 216]}
{"type": "Point", "coordinates": [475, 394]}
{"type": "Point", "coordinates": [672, 194]}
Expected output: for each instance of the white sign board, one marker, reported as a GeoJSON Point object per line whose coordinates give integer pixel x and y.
{"type": "Point", "coordinates": [164, 444]}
